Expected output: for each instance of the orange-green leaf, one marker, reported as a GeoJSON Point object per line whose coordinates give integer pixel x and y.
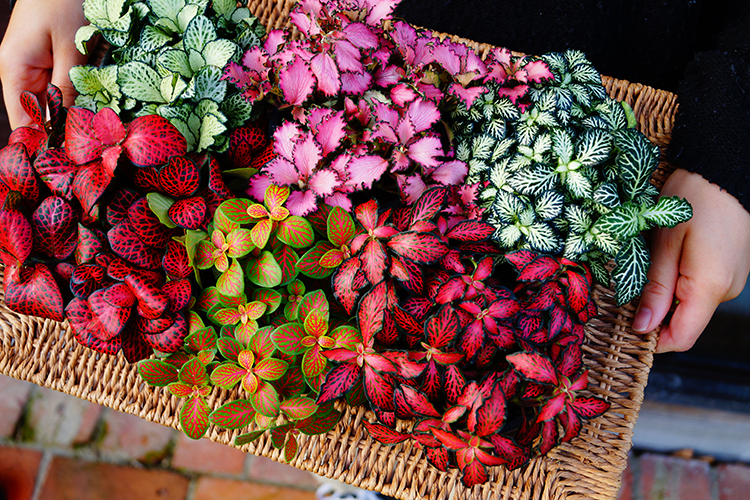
{"type": "Point", "coordinates": [309, 263]}
{"type": "Point", "coordinates": [194, 417]}
{"type": "Point", "coordinates": [295, 232]}
{"type": "Point", "coordinates": [275, 196]}
{"type": "Point", "coordinates": [260, 232]}
{"type": "Point", "coordinates": [240, 243]}
{"type": "Point", "coordinates": [332, 259]}
{"type": "Point", "coordinates": [316, 324]}
{"type": "Point", "coordinates": [313, 362]}
{"type": "Point", "coordinates": [347, 337]}
{"type": "Point", "coordinates": [226, 316]}
{"type": "Point", "coordinates": [180, 390]}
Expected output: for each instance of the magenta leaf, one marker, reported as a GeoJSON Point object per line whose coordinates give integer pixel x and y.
{"type": "Point", "coordinates": [296, 81]}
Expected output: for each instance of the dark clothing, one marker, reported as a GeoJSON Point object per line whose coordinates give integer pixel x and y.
{"type": "Point", "coordinates": [697, 48]}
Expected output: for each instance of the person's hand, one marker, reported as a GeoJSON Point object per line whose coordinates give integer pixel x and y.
{"type": "Point", "coordinates": [38, 48]}
{"type": "Point", "coordinates": [698, 264]}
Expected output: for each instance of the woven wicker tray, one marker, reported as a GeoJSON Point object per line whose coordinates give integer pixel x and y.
{"type": "Point", "coordinates": [44, 352]}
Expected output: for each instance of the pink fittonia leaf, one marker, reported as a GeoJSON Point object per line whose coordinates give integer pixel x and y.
{"type": "Point", "coordinates": [15, 237]}
{"type": "Point", "coordinates": [295, 232]}
{"type": "Point", "coordinates": [471, 230]}
{"type": "Point", "coordinates": [299, 408]}
{"type": "Point", "coordinates": [233, 415]}
{"type": "Point", "coordinates": [313, 362]}
{"type": "Point", "coordinates": [441, 330]}
{"type": "Point", "coordinates": [288, 338]}
{"type": "Point", "coordinates": [327, 73]}
{"type": "Point", "coordinates": [157, 372]}
{"type": "Point", "coordinates": [296, 81]}
{"type": "Point", "coordinates": [193, 373]}
{"type": "Point", "coordinates": [33, 291]}
{"type": "Point", "coordinates": [266, 400]}
{"type": "Point", "coordinates": [364, 170]}
{"type": "Point", "coordinates": [152, 140]}
{"type": "Point", "coordinates": [373, 261]}
{"type": "Point", "coordinates": [194, 417]}
{"type": "Point", "coordinates": [534, 367]}
{"type": "Point", "coordinates": [227, 375]}
{"type": "Point", "coordinates": [422, 248]}
{"type": "Point", "coordinates": [383, 434]}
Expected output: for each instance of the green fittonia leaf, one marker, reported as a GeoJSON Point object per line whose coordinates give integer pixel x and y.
{"type": "Point", "coordinates": [631, 265]}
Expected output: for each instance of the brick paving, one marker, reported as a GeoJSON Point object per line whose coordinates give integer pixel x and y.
{"type": "Point", "coordinates": [56, 447]}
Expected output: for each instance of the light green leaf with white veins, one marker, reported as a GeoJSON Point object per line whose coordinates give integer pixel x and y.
{"type": "Point", "coordinates": [83, 35]}
{"type": "Point", "coordinates": [224, 7]}
{"type": "Point", "coordinates": [141, 82]}
{"type": "Point", "coordinates": [578, 184]}
{"type": "Point", "coordinates": [199, 32]}
{"type": "Point", "coordinates": [172, 87]}
{"type": "Point", "coordinates": [219, 52]}
{"type": "Point", "coordinates": [196, 60]}
{"type": "Point", "coordinates": [668, 212]}
{"type": "Point", "coordinates": [186, 132]}
{"type": "Point", "coordinates": [507, 236]}
{"type": "Point", "coordinates": [542, 237]}
{"type": "Point", "coordinates": [107, 14]}
{"type": "Point", "coordinates": [606, 243]}
{"type": "Point", "coordinates": [208, 85]}
{"type": "Point", "coordinates": [166, 8]}
{"type": "Point", "coordinates": [176, 60]}
{"type": "Point", "coordinates": [631, 265]}
{"type": "Point", "coordinates": [153, 38]}
{"type": "Point", "coordinates": [210, 128]}
{"type": "Point", "coordinates": [636, 161]}
{"type": "Point", "coordinates": [562, 145]}
{"type": "Point", "coordinates": [188, 14]}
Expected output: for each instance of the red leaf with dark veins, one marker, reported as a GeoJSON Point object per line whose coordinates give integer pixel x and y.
{"type": "Point", "coordinates": [171, 339]}
{"type": "Point", "coordinates": [16, 237]}
{"type": "Point", "coordinates": [370, 313]}
{"type": "Point", "coordinates": [55, 225]}
{"type": "Point", "coordinates": [471, 230]}
{"type": "Point", "coordinates": [189, 213]}
{"type": "Point", "coordinates": [30, 104]}
{"type": "Point", "coordinates": [134, 346]}
{"type": "Point", "coordinates": [244, 143]}
{"type": "Point", "coordinates": [428, 205]}
{"type": "Point", "coordinates": [388, 335]}
{"type": "Point", "coordinates": [152, 302]}
{"type": "Point", "coordinates": [414, 281]}
{"type": "Point", "coordinates": [342, 282]}
{"type": "Point", "coordinates": [419, 402]}
{"type": "Point", "coordinates": [215, 180]}
{"type": "Point", "coordinates": [55, 105]}
{"type": "Point", "coordinates": [378, 389]}
{"type": "Point", "coordinates": [579, 292]}
{"type": "Point", "coordinates": [541, 269]}
{"type": "Point", "coordinates": [117, 208]}
{"type": "Point", "coordinates": [534, 367]}
{"type": "Point", "coordinates": [17, 174]}
{"type": "Point", "coordinates": [127, 244]}
{"type": "Point", "coordinates": [112, 317]}
{"type": "Point", "coordinates": [491, 415]}
{"type": "Point", "coordinates": [86, 279]}
{"type": "Point", "coordinates": [443, 328]}
{"type": "Point", "coordinates": [451, 290]}
{"type": "Point", "coordinates": [403, 410]}
{"type": "Point", "coordinates": [367, 214]}
{"type": "Point", "coordinates": [433, 381]}
{"type": "Point", "coordinates": [180, 177]}
{"type": "Point", "coordinates": [473, 473]}
{"type": "Point", "coordinates": [80, 140]}
{"type": "Point", "coordinates": [57, 171]}
{"type": "Point", "coordinates": [570, 360]}
{"type": "Point", "coordinates": [32, 138]}
{"type": "Point", "coordinates": [175, 261]}
{"type": "Point", "coordinates": [383, 434]}
{"type": "Point", "coordinates": [90, 183]}
{"type": "Point", "coordinates": [179, 293]}
{"type": "Point", "coordinates": [338, 382]}
{"type": "Point", "coordinates": [590, 407]}
{"type": "Point", "coordinates": [147, 225]}
{"type": "Point", "coordinates": [438, 457]}
{"type": "Point", "coordinates": [147, 178]}
{"type": "Point", "coordinates": [422, 248]}
{"type": "Point", "coordinates": [520, 258]}
{"type": "Point", "coordinates": [454, 383]}
{"type": "Point", "coordinates": [33, 291]}
{"type": "Point", "coordinates": [86, 329]}
{"type": "Point", "coordinates": [152, 140]}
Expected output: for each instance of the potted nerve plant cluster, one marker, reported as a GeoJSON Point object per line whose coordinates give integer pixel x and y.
{"type": "Point", "coordinates": [366, 213]}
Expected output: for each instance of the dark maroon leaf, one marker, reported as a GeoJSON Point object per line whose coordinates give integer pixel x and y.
{"type": "Point", "coordinates": [134, 347]}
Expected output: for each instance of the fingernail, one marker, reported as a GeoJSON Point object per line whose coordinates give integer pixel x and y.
{"type": "Point", "coordinates": [642, 319]}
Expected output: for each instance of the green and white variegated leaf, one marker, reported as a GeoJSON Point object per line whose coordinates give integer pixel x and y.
{"type": "Point", "coordinates": [495, 128]}
{"type": "Point", "coordinates": [209, 85]}
{"type": "Point", "coordinates": [187, 133]}
{"type": "Point", "coordinates": [542, 237]}
{"type": "Point", "coordinates": [200, 31]}
{"type": "Point", "coordinates": [168, 25]}
{"type": "Point", "coordinates": [83, 35]}
{"type": "Point", "coordinates": [499, 175]}
{"type": "Point", "coordinates": [576, 245]}
{"type": "Point", "coordinates": [575, 57]}
{"type": "Point", "coordinates": [636, 161]}
{"type": "Point", "coordinates": [622, 223]}
{"type": "Point", "coordinates": [154, 38]}
{"type": "Point", "coordinates": [507, 236]}
{"type": "Point", "coordinates": [115, 37]}
{"type": "Point", "coordinates": [648, 197]}
{"type": "Point", "coordinates": [562, 145]}
{"type": "Point", "coordinates": [606, 195]}
{"type": "Point", "coordinates": [172, 87]}
{"type": "Point", "coordinates": [180, 112]}
{"type": "Point", "coordinates": [108, 14]}
{"type": "Point", "coordinates": [481, 146]}
{"type": "Point", "coordinates": [463, 150]}
{"type": "Point", "coordinates": [505, 109]}
{"type": "Point", "coordinates": [594, 147]}
{"type": "Point", "coordinates": [581, 97]}
{"type": "Point", "coordinates": [237, 110]}
{"type": "Point", "coordinates": [668, 212]}
{"type": "Point", "coordinates": [631, 265]}
{"type": "Point", "coordinates": [578, 184]}
{"type": "Point", "coordinates": [507, 207]}
{"type": "Point", "coordinates": [100, 83]}
{"type": "Point", "coordinates": [578, 218]}
{"type": "Point", "coordinates": [501, 149]}
{"type": "Point", "coordinates": [617, 116]}
{"type": "Point", "coordinates": [219, 52]}
{"type": "Point", "coordinates": [487, 196]}
{"type": "Point", "coordinates": [549, 205]}
{"type": "Point", "coordinates": [526, 132]}
{"type": "Point", "coordinates": [176, 61]}
{"type": "Point", "coordinates": [248, 37]}
{"type": "Point", "coordinates": [187, 14]}
{"type": "Point", "coordinates": [478, 167]}
{"type": "Point", "coordinates": [585, 73]}
{"type": "Point", "coordinates": [534, 180]}
{"type": "Point", "coordinates": [595, 122]}
{"type": "Point", "coordinates": [166, 8]}
{"type": "Point", "coordinates": [606, 243]}
{"type": "Point", "coordinates": [225, 7]}
{"type": "Point", "coordinates": [141, 82]}
{"type": "Point", "coordinates": [556, 61]}
{"type": "Point", "coordinates": [196, 60]}
{"type": "Point", "coordinates": [211, 126]}
{"type": "Point", "coordinates": [598, 267]}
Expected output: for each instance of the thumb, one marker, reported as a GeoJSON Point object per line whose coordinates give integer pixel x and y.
{"type": "Point", "coordinates": [658, 294]}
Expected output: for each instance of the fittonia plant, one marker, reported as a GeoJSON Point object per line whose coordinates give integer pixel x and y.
{"type": "Point", "coordinates": [167, 58]}
{"type": "Point", "coordinates": [566, 172]}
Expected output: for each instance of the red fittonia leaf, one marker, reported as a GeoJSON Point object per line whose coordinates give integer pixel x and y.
{"type": "Point", "coordinates": [422, 248]}
{"type": "Point", "coordinates": [534, 367]}
{"type": "Point", "coordinates": [428, 205]}
{"type": "Point", "coordinates": [471, 230]}
{"type": "Point", "coordinates": [33, 291]}
{"type": "Point", "coordinates": [57, 171]}
{"type": "Point", "coordinates": [55, 226]}
{"type": "Point", "coordinates": [170, 339]}
{"type": "Point", "coordinates": [371, 311]}
{"type": "Point", "coordinates": [90, 183]}
{"type": "Point", "coordinates": [126, 243]}
{"type": "Point", "coordinates": [189, 213]}
{"type": "Point", "coordinates": [384, 434]}
{"type": "Point", "coordinates": [339, 381]}
{"type": "Point", "coordinates": [80, 141]}
{"type": "Point", "coordinates": [244, 143]}
{"type": "Point", "coordinates": [147, 225]}
{"type": "Point", "coordinates": [175, 261]}
{"type": "Point", "coordinates": [16, 239]}
{"type": "Point", "coordinates": [152, 140]}
{"type": "Point", "coordinates": [17, 174]}
{"type": "Point", "coordinates": [180, 177]}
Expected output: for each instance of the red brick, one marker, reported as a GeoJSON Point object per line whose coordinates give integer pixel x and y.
{"type": "Point", "coordinates": [18, 471]}
{"type": "Point", "coordinates": [205, 455]}
{"type": "Point", "coordinates": [734, 481]}
{"type": "Point", "coordinates": [671, 478]}
{"type": "Point", "coordinates": [13, 396]}
{"type": "Point", "coordinates": [130, 437]}
{"type": "Point", "coordinates": [68, 478]}
{"type": "Point", "coordinates": [89, 419]}
{"type": "Point", "coordinates": [266, 470]}
{"type": "Point", "coordinates": [55, 418]}
{"type": "Point", "coordinates": [210, 488]}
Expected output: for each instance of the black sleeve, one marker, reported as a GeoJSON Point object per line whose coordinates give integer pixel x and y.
{"type": "Point", "coordinates": [712, 127]}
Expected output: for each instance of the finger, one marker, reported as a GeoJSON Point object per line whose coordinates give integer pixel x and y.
{"type": "Point", "coordinates": [658, 294]}
{"type": "Point", "coordinates": [66, 56]}
{"type": "Point", "coordinates": [14, 86]}
{"type": "Point", "coordinates": [689, 320]}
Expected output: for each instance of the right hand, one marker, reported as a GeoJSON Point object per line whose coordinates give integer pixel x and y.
{"type": "Point", "coordinates": [39, 48]}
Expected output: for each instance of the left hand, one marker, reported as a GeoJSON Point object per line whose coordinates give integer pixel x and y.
{"type": "Point", "coordinates": [700, 263]}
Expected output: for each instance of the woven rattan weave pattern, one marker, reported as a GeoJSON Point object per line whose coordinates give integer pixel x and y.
{"type": "Point", "coordinates": [44, 352]}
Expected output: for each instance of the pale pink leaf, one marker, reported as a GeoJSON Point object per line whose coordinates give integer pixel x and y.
{"type": "Point", "coordinates": [339, 200]}
{"type": "Point", "coordinates": [411, 187]}
{"type": "Point", "coordinates": [307, 154]}
{"type": "Point", "coordinates": [446, 56]}
{"type": "Point", "coordinates": [401, 95]}
{"type": "Point", "coordinates": [361, 36]}
{"type": "Point", "coordinates": [301, 202]}
{"type": "Point", "coordinates": [466, 95]}
{"type": "Point", "coordinates": [303, 23]}
{"type": "Point", "coordinates": [296, 81]}
{"type": "Point", "coordinates": [323, 182]}
{"type": "Point", "coordinates": [380, 10]}
{"type": "Point", "coordinates": [108, 127]}
{"type": "Point", "coordinates": [285, 137]}
{"type": "Point", "coordinates": [423, 114]}
{"type": "Point", "coordinates": [274, 39]}
{"type": "Point", "coordinates": [450, 173]}
{"type": "Point", "coordinates": [330, 132]}
{"type": "Point", "coordinates": [325, 71]}
{"type": "Point", "coordinates": [348, 56]}
{"type": "Point", "coordinates": [536, 71]}
{"type": "Point", "coordinates": [355, 83]}
{"type": "Point", "coordinates": [425, 150]}
{"type": "Point", "coordinates": [364, 170]}
{"type": "Point", "coordinates": [282, 172]}
{"type": "Point", "coordinates": [391, 75]}
{"type": "Point", "coordinates": [257, 187]}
